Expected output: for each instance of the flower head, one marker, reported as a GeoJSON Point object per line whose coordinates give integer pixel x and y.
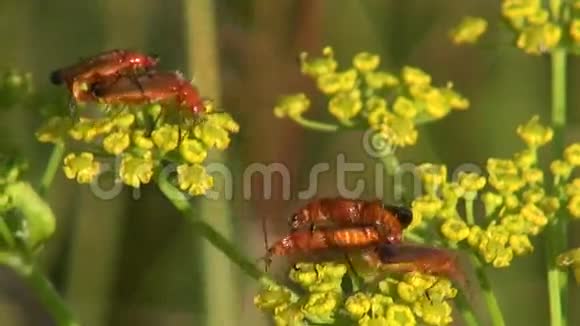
{"type": "Point", "coordinates": [318, 66]}
{"type": "Point", "coordinates": [572, 154]}
{"type": "Point", "coordinates": [136, 170]}
{"type": "Point", "coordinates": [469, 30]}
{"type": "Point", "coordinates": [534, 133]}
{"type": "Point", "coordinates": [194, 179]}
{"type": "Point", "coordinates": [366, 62]}
{"type": "Point", "coordinates": [292, 106]}
{"type": "Point", "coordinates": [538, 39]}
{"type": "Point", "coordinates": [115, 143]}
{"type": "Point", "coordinates": [166, 137]}
{"type": "Point", "coordinates": [81, 167]}
{"type": "Point", "coordinates": [54, 130]}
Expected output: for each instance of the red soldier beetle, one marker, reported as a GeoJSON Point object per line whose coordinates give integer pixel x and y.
{"type": "Point", "coordinates": [80, 77]}
{"type": "Point", "coordinates": [390, 220]}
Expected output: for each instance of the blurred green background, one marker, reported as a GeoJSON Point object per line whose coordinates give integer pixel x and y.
{"type": "Point", "coordinates": [133, 260]}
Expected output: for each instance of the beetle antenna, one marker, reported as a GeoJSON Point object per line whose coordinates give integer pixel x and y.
{"type": "Point", "coordinates": [267, 260]}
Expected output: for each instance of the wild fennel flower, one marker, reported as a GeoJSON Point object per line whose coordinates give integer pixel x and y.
{"type": "Point", "coordinates": [366, 62]}
{"type": "Point", "coordinates": [194, 179]}
{"type": "Point", "coordinates": [536, 40]}
{"type": "Point", "coordinates": [116, 143]}
{"type": "Point", "coordinates": [357, 95]}
{"type": "Point", "coordinates": [455, 229]}
{"type": "Point", "coordinates": [471, 182]}
{"type": "Point", "coordinates": [469, 30]}
{"type": "Point", "coordinates": [136, 170]}
{"type": "Point", "coordinates": [574, 206]}
{"type": "Point", "coordinates": [358, 305]}
{"type": "Point", "coordinates": [292, 105]}
{"type": "Point", "coordinates": [561, 169]}
{"type": "Point", "coordinates": [534, 133]}
{"type": "Point", "coordinates": [318, 66]}
{"type": "Point", "coordinates": [573, 187]}
{"type": "Point", "coordinates": [572, 154]}
{"type": "Point", "coordinates": [574, 30]}
{"type": "Point", "coordinates": [400, 300]}
{"type": "Point", "coordinates": [82, 167]}
{"type": "Point", "coordinates": [55, 130]}
{"type": "Point", "coordinates": [147, 138]}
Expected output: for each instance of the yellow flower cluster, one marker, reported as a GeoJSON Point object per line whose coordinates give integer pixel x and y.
{"type": "Point", "coordinates": [541, 29]}
{"type": "Point", "coordinates": [412, 299]}
{"type": "Point", "coordinates": [144, 141]}
{"type": "Point", "coordinates": [516, 204]}
{"type": "Point", "coordinates": [358, 96]}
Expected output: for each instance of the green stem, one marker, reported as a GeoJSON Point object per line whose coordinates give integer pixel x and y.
{"type": "Point", "coordinates": [469, 215]}
{"type": "Point", "coordinates": [484, 284]}
{"type": "Point", "coordinates": [558, 231]}
{"type": "Point", "coordinates": [41, 287]}
{"type": "Point", "coordinates": [488, 295]}
{"type": "Point", "coordinates": [6, 234]}
{"type": "Point", "coordinates": [316, 125]}
{"type": "Point", "coordinates": [465, 309]}
{"type": "Point", "coordinates": [51, 168]}
{"type": "Point", "coordinates": [180, 201]}
{"type": "Point", "coordinates": [391, 164]}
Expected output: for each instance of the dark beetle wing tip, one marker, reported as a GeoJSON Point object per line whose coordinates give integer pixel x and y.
{"type": "Point", "coordinates": [55, 77]}
{"type": "Point", "coordinates": [404, 214]}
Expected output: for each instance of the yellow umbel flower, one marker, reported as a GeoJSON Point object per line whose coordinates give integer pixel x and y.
{"type": "Point", "coordinates": [318, 66]}
{"type": "Point", "coordinates": [574, 30]}
{"type": "Point", "coordinates": [166, 137]}
{"type": "Point", "coordinates": [134, 170]}
{"type": "Point", "coordinates": [358, 305]}
{"type": "Point", "coordinates": [81, 167]}
{"type": "Point", "coordinates": [534, 133]}
{"type": "Point", "coordinates": [292, 106]}
{"type": "Point", "coordinates": [345, 106]}
{"type": "Point", "coordinates": [538, 39]}
{"type": "Point", "coordinates": [469, 30]}
{"type": "Point", "coordinates": [572, 154]}
{"type": "Point", "coordinates": [415, 76]}
{"type": "Point", "coordinates": [115, 143]}
{"type": "Point", "coordinates": [194, 179]}
{"type": "Point", "coordinates": [366, 62]}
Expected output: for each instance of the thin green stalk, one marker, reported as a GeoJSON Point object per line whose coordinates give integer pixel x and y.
{"type": "Point", "coordinates": [558, 231]}
{"type": "Point", "coordinates": [316, 125]}
{"type": "Point", "coordinates": [180, 201]}
{"type": "Point", "coordinates": [43, 289]}
{"type": "Point", "coordinates": [391, 164]}
{"type": "Point", "coordinates": [6, 234]}
{"type": "Point", "coordinates": [488, 295]}
{"type": "Point", "coordinates": [469, 215]}
{"type": "Point", "coordinates": [51, 168]}
{"type": "Point", "coordinates": [465, 309]}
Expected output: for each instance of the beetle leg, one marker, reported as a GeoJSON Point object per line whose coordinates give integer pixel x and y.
{"type": "Point", "coordinates": [72, 109]}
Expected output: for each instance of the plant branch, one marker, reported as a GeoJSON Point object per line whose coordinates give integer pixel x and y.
{"type": "Point", "coordinates": [51, 168]}
{"type": "Point", "coordinates": [42, 287]}
{"type": "Point", "coordinates": [315, 125]}
{"type": "Point", "coordinates": [180, 201]}
{"type": "Point", "coordinates": [488, 295]}
{"type": "Point", "coordinates": [558, 230]}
